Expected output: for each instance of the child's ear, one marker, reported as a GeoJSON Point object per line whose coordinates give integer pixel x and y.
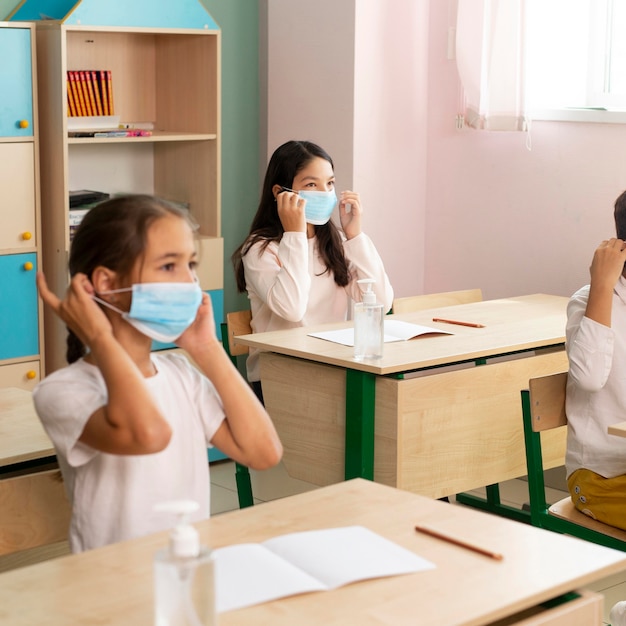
{"type": "Point", "coordinates": [103, 279]}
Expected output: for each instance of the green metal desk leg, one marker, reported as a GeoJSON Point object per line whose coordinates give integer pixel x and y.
{"type": "Point", "coordinates": [244, 486]}
{"type": "Point", "coordinates": [360, 401]}
{"type": "Point", "coordinates": [492, 504]}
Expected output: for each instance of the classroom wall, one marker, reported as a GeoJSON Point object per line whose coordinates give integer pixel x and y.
{"type": "Point", "coordinates": [447, 209]}
{"type": "Point", "coordinates": [503, 217]}
{"type": "Point", "coordinates": [239, 23]}
{"type": "Point", "coordinates": [351, 76]}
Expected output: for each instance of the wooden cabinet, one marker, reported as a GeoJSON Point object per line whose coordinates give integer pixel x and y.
{"type": "Point", "coordinates": [166, 78]}
{"type": "Point", "coordinates": [21, 338]}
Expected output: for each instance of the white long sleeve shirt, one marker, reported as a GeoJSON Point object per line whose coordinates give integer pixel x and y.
{"type": "Point", "coordinates": [289, 286]}
{"type": "Point", "coordinates": [596, 386]}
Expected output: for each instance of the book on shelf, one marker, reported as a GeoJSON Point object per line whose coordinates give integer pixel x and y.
{"type": "Point", "coordinates": [96, 90]}
{"type": "Point", "coordinates": [77, 93]}
{"type": "Point", "coordinates": [82, 82]}
{"type": "Point", "coordinates": [109, 79]}
{"type": "Point", "coordinates": [394, 330]}
{"type": "Point", "coordinates": [302, 562]}
{"type": "Point", "coordinates": [90, 92]}
{"type": "Point", "coordinates": [71, 104]}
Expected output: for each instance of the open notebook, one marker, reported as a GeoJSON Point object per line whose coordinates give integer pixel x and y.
{"type": "Point", "coordinates": [316, 560]}
{"type": "Point", "coordinates": [395, 330]}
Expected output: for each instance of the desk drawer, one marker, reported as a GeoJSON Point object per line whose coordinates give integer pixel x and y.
{"type": "Point", "coordinates": [23, 375]}
{"type": "Point", "coordinates": [35, 511]}
{"type": "Point", "coordinates": [583, 611]}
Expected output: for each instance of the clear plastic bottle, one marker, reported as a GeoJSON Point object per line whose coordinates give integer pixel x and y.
{"type": "Point", "coordinates": [368, 324]}
{"type": "Point", "coordinates": [184, 575]}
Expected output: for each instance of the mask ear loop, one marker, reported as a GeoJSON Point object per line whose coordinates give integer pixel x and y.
{"type": "Point", "coordinates": [108, 304]}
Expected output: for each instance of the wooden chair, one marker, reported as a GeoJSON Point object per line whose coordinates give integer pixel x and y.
{"type": "Point", "coordinates": [238, 323]}
{"type": "Point", "coordinates": [543, 408]}
{"type": "Point", "coordinates": [34, 519]}
{"type": "Point", "coordinates": [434, 300]}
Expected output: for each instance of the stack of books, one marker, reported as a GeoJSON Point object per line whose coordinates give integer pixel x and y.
{"type": "Point", "coordinates": [89, 93]}
{"type": "Point", "coordinates": [80, 203]}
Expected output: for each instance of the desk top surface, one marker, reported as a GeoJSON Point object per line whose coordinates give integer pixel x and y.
{"type": "Point", "coordinates": [510, 325]}
{"type": "Point", "coordinates": [115, 583]}
{"type": "Point", "coordinates": [22, 437]}
{"type": "Point", "coordinates": [619, 430]}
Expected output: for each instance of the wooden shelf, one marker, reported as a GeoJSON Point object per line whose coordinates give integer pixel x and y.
{"type": "Point", "coordinates": [157, 136]}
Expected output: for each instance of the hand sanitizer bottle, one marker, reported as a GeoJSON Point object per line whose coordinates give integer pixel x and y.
{"type": "Point", "coordinates": [184, 583]}
{"type": "Point", "coordinates": [368, 324]}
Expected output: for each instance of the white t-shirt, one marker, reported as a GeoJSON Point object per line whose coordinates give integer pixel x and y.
{"type": "Point", "coordinates": [596, 386]}
{"type": "Point", "coordinates": [289, 286]}
{"type": "Point", "coordinates": [113, 495]}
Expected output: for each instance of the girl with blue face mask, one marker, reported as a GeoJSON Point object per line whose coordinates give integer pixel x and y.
{"type": "Point", "coordinates": [131, 427]}
{"type": "Point", "coordinates": [296, 266]}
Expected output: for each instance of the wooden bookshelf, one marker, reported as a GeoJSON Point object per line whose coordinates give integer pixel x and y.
{"type": "Point", "coordinates": [166, 78]}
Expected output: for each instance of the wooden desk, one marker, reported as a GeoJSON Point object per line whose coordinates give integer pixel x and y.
{"type": "Point", "coordinates": [34, 511]}
{"type": "Point", "coordinates": [22, 437]}
{"type": "Point", "coordinates": [619, 430]}
{"type": "Point", "coordinates": [437, 432]}
{"type": "Point", "coordinates": [113, 585]}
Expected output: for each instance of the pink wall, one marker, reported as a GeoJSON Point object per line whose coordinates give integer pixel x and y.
{"type": "Point", "coordinates": [390, 136]}
{"type": "Point", "coordinates": [501, 217]}
{"type": "Point", "coordinates": [448, 209]}
{"type": "Point", "coordinates": [352, 76]}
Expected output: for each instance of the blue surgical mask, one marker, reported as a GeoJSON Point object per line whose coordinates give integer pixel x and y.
{"type": "Point", "coordinates": [319, 205]}
{"type": "Point", "coordinates": [161, 311]}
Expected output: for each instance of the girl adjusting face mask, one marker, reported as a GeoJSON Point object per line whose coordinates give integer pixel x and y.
{"type": "Point", "coordinates": [161, 311]}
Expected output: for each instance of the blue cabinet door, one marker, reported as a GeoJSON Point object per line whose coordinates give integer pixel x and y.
{"type": "Point", "coordinates": [19, 320]}
{"type": "Point", "coordinates": [16, 87]}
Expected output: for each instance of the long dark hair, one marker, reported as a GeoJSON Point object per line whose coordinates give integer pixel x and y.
{"type": "Point", "coordinates": [113, 235]}
{"type": "Point", "coordinates": [286, 162]}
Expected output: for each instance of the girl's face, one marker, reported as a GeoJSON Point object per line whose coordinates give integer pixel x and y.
{"type": "Point", "coordinates": [170, 254]}
{"type": "Point", "coordinates": [317, 175]}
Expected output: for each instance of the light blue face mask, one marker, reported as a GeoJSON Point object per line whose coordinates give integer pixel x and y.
{"type": "Point", "coordinates": [161, 311]}
{"type": "Point", "coordinates": [319, 205]}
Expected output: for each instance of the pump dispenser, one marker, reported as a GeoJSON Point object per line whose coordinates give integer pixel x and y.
{"type": "Point", "coordinates": [368, 324]}
{"type": "Point", "coordinates": [184, 581]}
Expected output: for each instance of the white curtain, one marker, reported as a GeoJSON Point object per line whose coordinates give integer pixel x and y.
{"type": "Point", "coordinates": [490, 61]}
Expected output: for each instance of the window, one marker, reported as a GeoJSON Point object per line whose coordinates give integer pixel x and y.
{"type": "Point", "coordinates": [575, 58]}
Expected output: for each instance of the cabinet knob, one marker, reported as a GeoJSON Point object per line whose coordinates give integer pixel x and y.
{"type": "Point", "coordinates": [31, 374]}
{"type": "Point", "coordinates": [28, 266]}
{"type": "Point", "coordinates": [27, 235]}
{"type": "Point", "coordinates": [23, 124]}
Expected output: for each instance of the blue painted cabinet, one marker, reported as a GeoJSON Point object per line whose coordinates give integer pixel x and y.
{"type": "Point", "coordinates": [16, 102]}
{"type": "Point", "coordinates": [20, 310]}
{"type": "Point", "coordinates": [19, 318]}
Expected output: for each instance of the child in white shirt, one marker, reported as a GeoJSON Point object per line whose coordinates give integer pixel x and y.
{"type": "Point", "coordinates": [131, 427]}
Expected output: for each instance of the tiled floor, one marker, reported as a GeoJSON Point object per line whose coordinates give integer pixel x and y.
{"type": "Point", "coordinates": [276, 483]}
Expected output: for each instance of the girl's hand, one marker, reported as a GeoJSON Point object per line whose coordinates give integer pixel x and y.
{"type": "Point", "coordinates": [201, 333]}
{"type": "Point", "coordinates": [78, 309]}
{"type": "Point", "coordinates": [608, 263]}
{"type": "Point", "coordinates": [291, 211]}
{"type": "Point", "coordinates": [350, 219]}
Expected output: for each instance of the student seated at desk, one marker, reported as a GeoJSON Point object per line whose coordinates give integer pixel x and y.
{"type": "Point", "coordinates": [131, 427]}
{"type": "Point", "coordinates": [596, 387]}
{"type": "Point", "coordinates": [297, 267]}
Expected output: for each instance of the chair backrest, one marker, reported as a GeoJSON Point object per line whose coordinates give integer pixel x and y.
{"type": "Point", "coordinates": [547, 401]}
{"type": "Point", "coordinates": [434, 300]}
{"type": "Point", "coordinates": [238, 323]}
